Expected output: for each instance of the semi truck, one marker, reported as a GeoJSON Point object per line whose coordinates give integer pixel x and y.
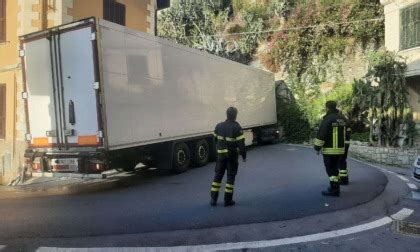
{"type": "Point", "coordinates": [99, 95]}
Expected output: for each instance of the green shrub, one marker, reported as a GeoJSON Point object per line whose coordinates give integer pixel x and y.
{"type": "Point", "coordinates": [296, 127]}
{"type": "Point", "coordinates": [258, 11]}
{"type": "Point", "coordinates": [304, 53]}
{"type": "Point", "coordinates": [280, 8]}
{"type": "Point", "coordinates": [314, 106]}
{"type": "Point", "coordinates": [383, 94]}
{"type": "Point", "coordinates": [361, 137]}
{"type": "Point", "coordinates": [239, 5]}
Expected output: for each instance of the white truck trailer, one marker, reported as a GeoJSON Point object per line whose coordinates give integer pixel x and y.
{"type": "Point", "coordinates": [99, 95]}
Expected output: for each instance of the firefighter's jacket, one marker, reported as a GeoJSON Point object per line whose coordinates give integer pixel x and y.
{"type": "Point", "coordinates": [348, 136]}
{"type": "Point", "coordinates": [230, 140]}
{"type": "Point", "coordinates": [331, 137]}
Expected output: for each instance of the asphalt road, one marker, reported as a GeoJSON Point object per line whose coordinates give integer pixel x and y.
{"type": "Point", "coordinates": [279, 182]}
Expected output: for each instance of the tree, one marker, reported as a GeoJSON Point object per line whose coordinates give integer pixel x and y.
{"type": "Point", "coordinates": [383, 93]}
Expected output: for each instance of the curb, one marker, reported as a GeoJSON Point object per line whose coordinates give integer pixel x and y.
{"type": "Point", "coordinates": [98, 182]}
{"type": "Point", "coordinates": [102, 175]}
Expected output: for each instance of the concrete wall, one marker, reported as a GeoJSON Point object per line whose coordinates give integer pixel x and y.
{"type": "Point", "coordinates": [390, 156]}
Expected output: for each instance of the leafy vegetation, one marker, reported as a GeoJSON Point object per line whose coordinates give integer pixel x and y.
{"type": "Point", "coordinates": [295, 126]}
{"type": "Point", "coordinates": [318, 30]}
{"type": "Point", "coordinates": [361, 137]}
{"type": "Point", "coordinates": [313, 39]}
{"type": "Point", "coordinates": [306, 42]}
{"type": "Point", "coordinates": [197, 24]}
{"type": "Point", "coordinates": [383, 94]}
{"type": "Point", "coordinates": [342, 93]}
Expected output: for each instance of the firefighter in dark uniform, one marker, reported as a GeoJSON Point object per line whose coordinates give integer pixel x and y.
{"type": "Point", "coordinates": [331, 140]}
{"type": "Point", "coordinates": [344, 173]}
{"type": "Point", "coordinates": [230, 142]}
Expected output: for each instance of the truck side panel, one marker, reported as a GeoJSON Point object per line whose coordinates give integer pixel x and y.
{"type": "Point", "coordinates": [156, 90]}
{"type": "Point", "coordinates": [117, 95]}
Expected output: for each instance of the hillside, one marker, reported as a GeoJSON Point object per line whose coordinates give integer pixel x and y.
{"type": "Point", "coordinates": [314, 46]}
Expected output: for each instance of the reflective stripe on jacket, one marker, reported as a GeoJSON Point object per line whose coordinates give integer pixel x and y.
{"type": "Point", "coordinates": [348, 137]}
{"type": "Point", "coordinates": [230, 139]}
{"type": "Point", "coordinates": [331, 137]}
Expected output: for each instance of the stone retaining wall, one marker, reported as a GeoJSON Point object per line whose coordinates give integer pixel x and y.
{"type": "Point", "coordinates": [384, 155]}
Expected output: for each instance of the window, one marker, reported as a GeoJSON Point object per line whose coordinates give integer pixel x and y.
{"type": "Point", "coordinates": [163, 4]}
{"type": "Point", "coordinates": [2, 111]}
{"type": "Point", "coordinates": [114, 12]}
{"type": "Point", "coordinates": [410, 27]}
{"type": "Point", "coordinates": [2, 21]}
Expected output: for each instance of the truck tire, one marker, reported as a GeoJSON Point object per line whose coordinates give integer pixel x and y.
{"type": "Point", "coordinates": [201, 153]}
{"type": "Point", "coordinates": [181, 158]}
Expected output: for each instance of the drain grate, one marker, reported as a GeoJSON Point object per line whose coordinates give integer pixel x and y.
{"type": "Point", "coordinates": [407, 228]}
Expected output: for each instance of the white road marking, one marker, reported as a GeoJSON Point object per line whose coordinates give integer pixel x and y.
{"type": "Point", "coordinates": [375, 166]}
{"type": "Point", "coordinates": [402, 214]}
{"type": "Point", "coordinates": [403, 178]}
{"type": "Point", "coordinates": [412, 186]}
{"type": "Point", "coordinates": [415, 195]}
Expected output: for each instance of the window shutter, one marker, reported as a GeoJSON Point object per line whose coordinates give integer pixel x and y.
{"type": "Point", "coordinates": [410, 27]}
{"type": "Point", "coordinates": [114, 12]}
{"type": "Point", "coordinates": [2, 111]}
{"type": "Point", "coordinates": [163, 4]}
{"type": "Point", "coordinates": [121, 20]}
{"type": "Point", "coordinates": [107, 9]}
{"type": "Point", "coordinates": [117, 12]}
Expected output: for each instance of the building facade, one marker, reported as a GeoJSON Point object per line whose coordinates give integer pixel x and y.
{"type": "Point", "coordinates": [402, 35]}
{"type": "Point", "coordinates": [19, 17]}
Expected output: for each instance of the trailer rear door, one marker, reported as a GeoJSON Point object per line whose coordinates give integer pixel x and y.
{"type": "Point", "coordinates": [80, 103]}
{"type": "Point", "coordinates": [63, 89]}
{"type": "Point", "coordinates": [41, 93]}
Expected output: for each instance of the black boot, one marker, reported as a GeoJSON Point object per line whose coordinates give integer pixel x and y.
{"type": "Point", "coordinates": [344, 180]}
{"type": "Point", "coordinates": [214, 196]}
{"type": "Point", "coordinates": [228, 199]}
{"type": "Point", "coordinates": [333, 190]}
{"type": "Point", "coordinates": [344, 177]}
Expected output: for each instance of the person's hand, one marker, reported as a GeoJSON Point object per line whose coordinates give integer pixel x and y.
{"type": "Point", "coordinates": [244, 160]}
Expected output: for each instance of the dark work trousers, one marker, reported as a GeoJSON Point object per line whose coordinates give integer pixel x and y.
{"type": "Point", "coordinates": [343, 164]}
{"type": "Point", "coordinates": [228, 164]}
{"type": "Point", "coordinates": [331, 165]}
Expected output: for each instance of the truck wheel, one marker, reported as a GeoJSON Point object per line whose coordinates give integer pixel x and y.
{"type": "Point", "coordinates": [201, 153]}
{"type": "Point", "coordinates": [181, 158]}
